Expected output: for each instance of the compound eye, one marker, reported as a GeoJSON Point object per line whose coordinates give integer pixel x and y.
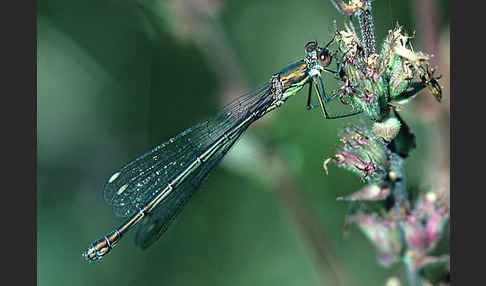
{"type": "Point", "coordinates": [310, 47]}
{"type": "Point", "coordinates": [324, 57]}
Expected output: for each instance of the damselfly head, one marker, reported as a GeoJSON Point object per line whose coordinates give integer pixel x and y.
{"type": "Point", "coordinates": [314, 52]}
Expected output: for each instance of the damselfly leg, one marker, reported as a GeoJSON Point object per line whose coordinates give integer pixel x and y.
{"type": "Point", "coordinates": [325, 58]}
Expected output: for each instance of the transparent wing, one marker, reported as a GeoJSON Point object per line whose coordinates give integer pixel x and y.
{"type": "Point", "coordinates": [131, 186]}
{"type": "Point", "coordinates": [159, 220]}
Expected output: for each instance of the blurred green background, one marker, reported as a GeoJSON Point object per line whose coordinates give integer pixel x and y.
{"type": "Point", "coordinates": [118, 77]}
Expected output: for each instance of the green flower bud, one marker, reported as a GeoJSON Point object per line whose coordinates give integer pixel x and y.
{"type": "Point", "coordinates": [386, 130]}
{"type": "Point", "coordinates": [362, 154]}
{"type": "Point", "coordinates": [379, 82]}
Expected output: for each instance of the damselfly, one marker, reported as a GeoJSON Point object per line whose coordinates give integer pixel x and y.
{"type": "Point", "coordinates": [156, 186]}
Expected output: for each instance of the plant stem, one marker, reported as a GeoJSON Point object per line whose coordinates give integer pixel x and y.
{"type": "Point", "coordinates": [365, 19]}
